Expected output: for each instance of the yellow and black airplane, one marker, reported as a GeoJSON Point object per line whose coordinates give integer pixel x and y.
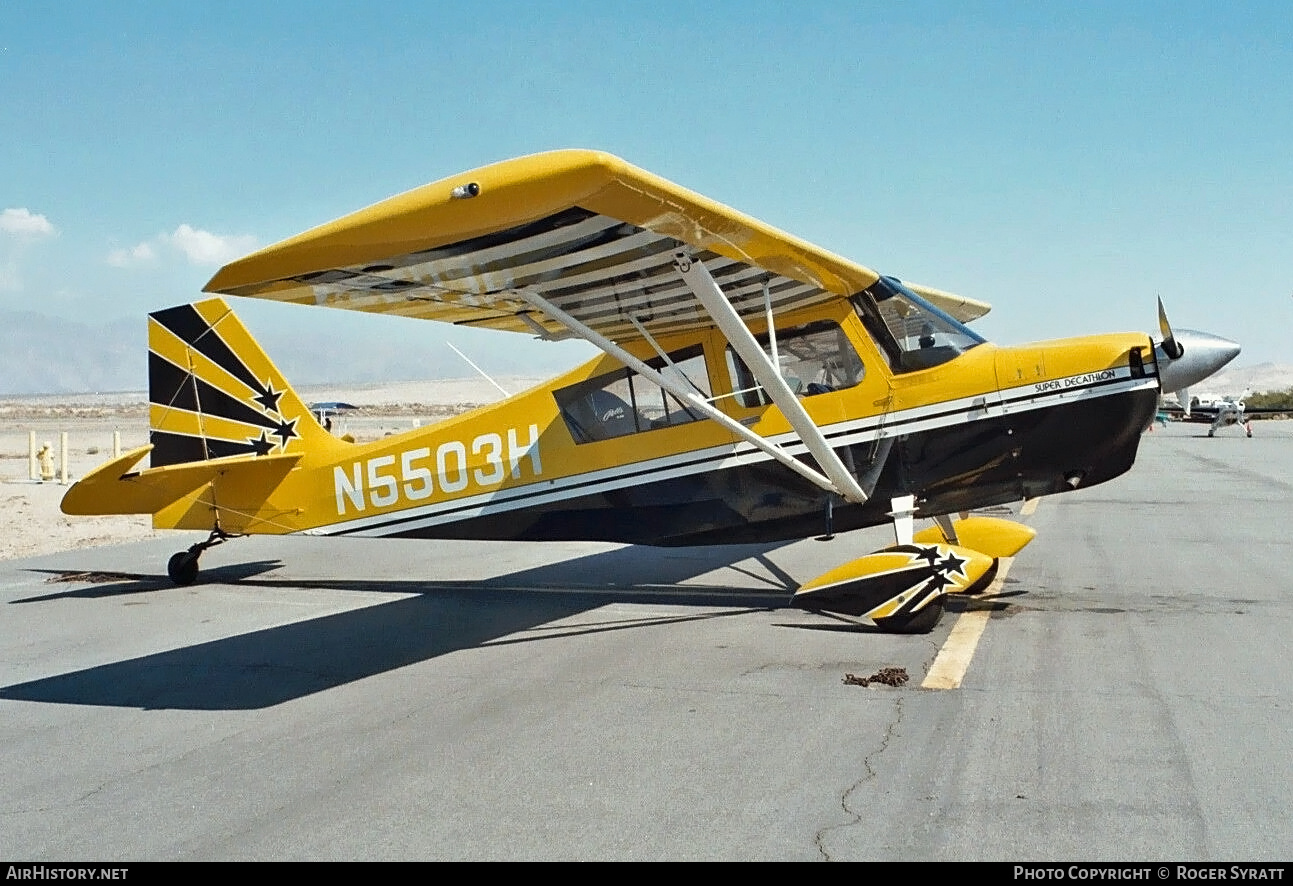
{"type": "Point", "coordinates": [752, 388]}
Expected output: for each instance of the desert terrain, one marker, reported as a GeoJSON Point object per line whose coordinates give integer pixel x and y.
{"type": "Point", "coordinates": [31, 523]}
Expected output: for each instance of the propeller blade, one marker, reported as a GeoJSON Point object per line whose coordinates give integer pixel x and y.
{"type": "Point", "coordinates": [1171, 347]}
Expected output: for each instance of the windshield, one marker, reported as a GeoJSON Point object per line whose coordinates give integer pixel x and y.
{"type": "Point", "coordinates": [912, 333]}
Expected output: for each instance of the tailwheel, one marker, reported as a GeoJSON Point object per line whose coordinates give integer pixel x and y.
{"type": "Point", "coordinates": [920, 622]}
{"type": "Point", "coordinates": [183, 568]}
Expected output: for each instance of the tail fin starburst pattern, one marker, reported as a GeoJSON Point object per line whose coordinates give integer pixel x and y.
{"type": "Point", "coordinates": [214, 393]}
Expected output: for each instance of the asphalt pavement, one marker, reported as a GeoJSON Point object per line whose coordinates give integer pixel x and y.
{"type": "Point", "coordinates": [1128, 698]}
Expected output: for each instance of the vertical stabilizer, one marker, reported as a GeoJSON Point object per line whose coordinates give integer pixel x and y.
{"type": "Point", "coordinates": [213, 392]}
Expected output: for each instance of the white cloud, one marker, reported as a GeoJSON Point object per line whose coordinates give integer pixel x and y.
{"type": "Point", "coordinates": [25, 223]}
{"type": "Point", "coordinates": [205, 248]}
{"type": "Point", "coordinates": [198, 246]}
{"type": "Point", "coordinates": [136, 255]}
{"type": "Point", "coordinates": [24, 228]}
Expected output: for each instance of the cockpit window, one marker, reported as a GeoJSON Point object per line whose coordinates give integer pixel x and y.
{"type": "Point", "coordinates": [912, 333]}
{"type": "Point", "coordinates": [625, 402]}
{"type": "Point", "coordinates": [815, 358]}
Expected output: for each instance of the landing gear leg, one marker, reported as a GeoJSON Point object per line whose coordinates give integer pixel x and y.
{"type": "Point", "coordinates": [923, 620]}
{"type": "Point", "coordinates": [182, 567]}
{"type": "Point", "coordinates": [904, 518]}
{"type": "Point", "coordinates": [830, 519]}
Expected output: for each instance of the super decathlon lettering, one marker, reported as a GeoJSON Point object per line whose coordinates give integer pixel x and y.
{"type": "Point", "coordinates": [414, 474]}
{"type": "Point", "coordinates": [1074, 381]}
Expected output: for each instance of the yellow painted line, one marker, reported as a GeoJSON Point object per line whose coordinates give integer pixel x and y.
{"type": "Point", "coordinates": [1029, 507]}
{"type": "Point", "coordinates": [953, 660]}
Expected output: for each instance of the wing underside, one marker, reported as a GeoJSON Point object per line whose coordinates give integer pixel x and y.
{"type": "Point", "coordinates": [583, 231]}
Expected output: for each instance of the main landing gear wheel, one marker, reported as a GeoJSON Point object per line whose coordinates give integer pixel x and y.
{"type": "Point", "coordinates": [921, 622]}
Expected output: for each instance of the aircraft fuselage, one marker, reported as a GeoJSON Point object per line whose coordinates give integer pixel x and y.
{"type": "Point", "coordinates": [989, 426]}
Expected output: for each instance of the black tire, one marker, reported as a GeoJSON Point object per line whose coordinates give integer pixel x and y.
{"type": "Point", "coordinates": [985, 580]}
{"type": "Point", "coordinates": [921, 622]}
{"type": "Point", "coordinates": [183, 568]}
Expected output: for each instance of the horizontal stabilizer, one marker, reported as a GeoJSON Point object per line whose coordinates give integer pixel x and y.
{"type": "Point", "coordinates": [197, 495]}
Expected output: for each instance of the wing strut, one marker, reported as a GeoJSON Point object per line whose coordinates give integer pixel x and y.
{"type": "Point", "coordinates": [709, 294]}
{"type": "Point", "coordinates": [676, 387]}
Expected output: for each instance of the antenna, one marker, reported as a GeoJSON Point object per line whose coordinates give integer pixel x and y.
{"type": "Point", "coordinates": [478, 369]}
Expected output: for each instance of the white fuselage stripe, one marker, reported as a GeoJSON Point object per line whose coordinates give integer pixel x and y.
{"type": "Point", "coordinates": [924, 418]}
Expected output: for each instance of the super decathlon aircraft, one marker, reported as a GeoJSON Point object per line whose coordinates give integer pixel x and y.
{"type": "Point", "coordinates": [753, 388]}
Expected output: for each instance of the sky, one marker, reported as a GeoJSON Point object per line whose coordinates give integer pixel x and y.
{"type": "Point", "coordinates": [1067, 163]}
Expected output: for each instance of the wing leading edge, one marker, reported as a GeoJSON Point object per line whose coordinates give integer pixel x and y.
{"type": "Point", "coordinates": [582, 230]}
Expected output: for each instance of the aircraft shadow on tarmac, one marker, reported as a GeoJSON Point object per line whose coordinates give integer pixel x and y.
{"type": "Point", "coordinates": [274, 665]}
{"type": "Point", "coordinates": [954, 604]}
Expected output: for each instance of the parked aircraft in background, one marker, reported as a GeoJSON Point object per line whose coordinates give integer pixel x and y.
{"type": "Point", "coordinates": [753, 387]}
{"type": "Point", "coordinates": [1226, 412]}
{"type": "Point", "coordinates": [1221, 411]}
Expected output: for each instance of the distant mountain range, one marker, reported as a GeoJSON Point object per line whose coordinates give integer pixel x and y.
{"type": "Point", "coordinates": [1261, 378]}
{"type": "Point", "coordinates": [40, 354]}
{"type": "Point", "coordinates": [46, 355]}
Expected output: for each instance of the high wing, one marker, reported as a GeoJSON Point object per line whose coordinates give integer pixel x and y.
{"type": "Point", "coordinates": [581, 231]}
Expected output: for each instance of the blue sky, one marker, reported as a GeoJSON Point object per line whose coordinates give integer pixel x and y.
{"type": "Point", "coordinates": [1066, 164]}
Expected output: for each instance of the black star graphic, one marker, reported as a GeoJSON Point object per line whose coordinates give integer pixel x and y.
{"type": "Point", "coordinates": [285, 431]}
{"type": "Point", "coordinates": [269, 398]}
{"type": "Point", "coordinates": [260, 445]}
{"type": "Point", "coordinates": [953, 563]}
{"type": "Point", "coordinates": [930, 554]}
{"type": "Point", "coordinates": [937, 582]}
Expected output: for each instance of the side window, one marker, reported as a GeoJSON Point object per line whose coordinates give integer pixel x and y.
{"type": "Point", "coordinates": [813, 359]}
{"type": "Point", "coordinates": [625, 402]}
{"type": "Point", "coordinates": [658, 407]}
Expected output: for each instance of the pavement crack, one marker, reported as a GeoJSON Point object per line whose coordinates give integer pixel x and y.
{"type": "Point", "coordinates": [870, 772]}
